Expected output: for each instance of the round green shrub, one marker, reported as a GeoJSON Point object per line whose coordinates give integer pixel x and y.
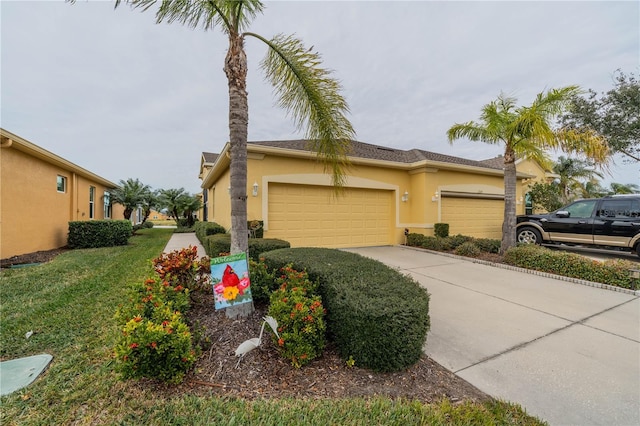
{"type": "Point", "coordinates": [467, 249]}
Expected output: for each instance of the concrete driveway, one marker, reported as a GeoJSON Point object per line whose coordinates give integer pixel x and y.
{"type": "Point", "coordinates": [568, 353]}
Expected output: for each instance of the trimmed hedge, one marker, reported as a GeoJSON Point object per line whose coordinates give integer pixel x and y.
{"type": "Point", "coordinates": [441, 230]}
{"type": "Point", "coordinates": [529, 256]}
{"type": "Point", "coordinates": [204, 229]}
{"type": "Point", "coordinates": [375, 315]}
{"type": "Point", "coordinates": [221, 243]}
{"type": "Point", "coordinates": [99, 233]}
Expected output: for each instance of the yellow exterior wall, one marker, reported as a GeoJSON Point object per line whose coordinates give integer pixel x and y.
{"type": "Point", "coordinates": [34, 216]}
{"type": "Point", "coordinates": [422, 183]}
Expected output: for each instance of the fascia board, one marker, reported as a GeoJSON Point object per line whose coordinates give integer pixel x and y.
{"type": "Point", "coordinates": [218, 168]}
{"type": "Point", "coordinates": [34, 150]}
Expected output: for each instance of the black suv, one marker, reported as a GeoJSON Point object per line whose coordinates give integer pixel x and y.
{"type": "Point", "coordinates": [609, 222]}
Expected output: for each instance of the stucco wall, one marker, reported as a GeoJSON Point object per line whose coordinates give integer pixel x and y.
{"type": "Point", "coordinates": [34, 216]}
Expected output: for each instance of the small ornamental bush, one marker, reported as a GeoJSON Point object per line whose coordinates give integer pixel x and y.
{"type": "Point", "coordinates": [263, 281]}
{"type": "Point", "coordinates": [182, 267]}
{"type": "Point", "coordinates": [467, 249]}
{"type": "Point", "coordinates": [204, 229]}
{"type": "Point", "coordinates": [487, 245]}
{"type": "Point", "coordinates": [221, 243]}
{"type": "Point", "coordinates": [160, 347]}
{"type": "Point", "coordinates": [415, 240]}
{"type": "Point", "coordinates": [441, 230]}
{"type": "Point", "coordinates": [300, 317]}
{"type": "Point", "coordinates": [432, 243]}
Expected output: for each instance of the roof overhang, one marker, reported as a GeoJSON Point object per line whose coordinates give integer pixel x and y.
{"type": "Point", "coordinates": [223, 160]}
{"type": "Point", "coordinates": [12, 141]}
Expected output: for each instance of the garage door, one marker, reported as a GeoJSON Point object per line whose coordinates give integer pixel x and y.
{"type": "Point", "coordinates": [313, 216]}
{"type": "Point", "coordinates": [473, 216]}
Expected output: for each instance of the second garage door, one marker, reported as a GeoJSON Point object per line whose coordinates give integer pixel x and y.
{"type": "Point", "coordinates": [313, 216]}
{"type": "Point", "coordinates": [474, 217]}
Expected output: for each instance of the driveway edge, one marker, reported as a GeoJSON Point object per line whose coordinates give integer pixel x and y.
{"type": "Point", "coordinates": [528, 271]}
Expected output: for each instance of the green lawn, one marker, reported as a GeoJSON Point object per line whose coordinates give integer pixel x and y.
{"type": "Point", "coordinates": [70, 302]}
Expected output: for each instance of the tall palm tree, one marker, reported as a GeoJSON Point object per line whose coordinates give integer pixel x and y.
{"type": "Point", "coordinates": [572, 172]}
{"type": "Point", "coordinates": [527, 132]}
{"type": "Point", "coordinates": [130, 194]}
{"type": "Point", "coordinates": [305, 89]}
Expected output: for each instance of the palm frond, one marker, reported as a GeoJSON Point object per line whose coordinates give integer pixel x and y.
{"type": "Point", "coordinates": [474, 132]}
{"type": "Point", "coordinates": [312, 98]}
{"type": "Point", "coordinates": [231, 15]}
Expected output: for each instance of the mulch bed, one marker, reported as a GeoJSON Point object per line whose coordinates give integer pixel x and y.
{"type": "Point", "coordinates": [262, 373]}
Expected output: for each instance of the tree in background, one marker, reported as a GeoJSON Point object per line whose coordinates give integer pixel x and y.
{"type": "Point", "coordinates": [528, 133]}
{"type": "Point", "coordinates": [573, 172]}
{"type": "Point", "coordinates": [149, 202]}
{"type": "Point", "coordinates": [545, 196]}
{"type": "Point", "coordinates": [180, 204]}
{"type": "Point", "coordinates": [305, 89]}
{"type": "Point", "coordinates": [130, 194]}
{"type": "Point", "coordinates": [621, 188]}
{"type": "Point", "coordinates": [614, 115]}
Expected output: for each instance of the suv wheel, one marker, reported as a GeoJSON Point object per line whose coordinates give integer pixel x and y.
{"type": "Point", "coordinates": [528, 235]}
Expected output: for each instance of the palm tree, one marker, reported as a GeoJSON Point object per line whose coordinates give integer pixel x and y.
{"type": "Point", "coordinates": [130, 194]}
{"type": "Point", "coordinates": [526, 132]}
{"type": "Point", "coordinates": [149, 202]}
{"type": "Point", "coordinates": [173, 201]}
{"type": "Point", "coordinates": [622, 188]}
{"type": "Point", "coordinates": [592, 189]}
{"type": "Point", "coordinates": [306, 90]}
{"type": "Point", "coordinates": [571, 172]}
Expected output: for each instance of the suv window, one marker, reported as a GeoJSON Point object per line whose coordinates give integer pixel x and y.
{"type": "Point", "coordinates": [580, 208]}
{"type": "Point", "coordinates": [620, 208]}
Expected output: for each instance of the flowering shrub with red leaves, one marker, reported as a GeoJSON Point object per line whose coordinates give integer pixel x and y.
{"type": "Point", "coordinates": [300, 317]}
{"type": "Point", "coordinates": [183, 268]}
{"type": "Point", "coordinates": [156, 341]}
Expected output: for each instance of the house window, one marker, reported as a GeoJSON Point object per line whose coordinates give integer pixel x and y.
{"type": "Point", "coordinates": [62, 184]}
{"type": "Point", "coordinates": [92, 195]}
{"type": "Point", "coordinates": [107, 205]}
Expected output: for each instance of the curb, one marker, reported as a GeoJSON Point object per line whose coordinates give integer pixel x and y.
{"type": "Point", "coordinates": [529, 271]}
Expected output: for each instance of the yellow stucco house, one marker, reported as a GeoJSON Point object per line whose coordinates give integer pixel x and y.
{"type": "Point", "coordinates": [387, 191]}
{"type": "Point", "coordinates": [40, 193]}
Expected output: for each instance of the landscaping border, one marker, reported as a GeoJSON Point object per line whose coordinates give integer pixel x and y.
{"type": "Point", "coordinates": [529, 271]}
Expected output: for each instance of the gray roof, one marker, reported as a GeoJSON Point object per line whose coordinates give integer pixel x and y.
{"type": "Point", "coordinates": [495, 162]}
{"type": "Point", "coordinates": [210, 157]}
{"type": "Point", "coordinates": [376, 152]}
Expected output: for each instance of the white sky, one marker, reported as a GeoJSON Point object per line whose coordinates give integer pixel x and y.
{"type": "Point", "coordinates": [115, 93]}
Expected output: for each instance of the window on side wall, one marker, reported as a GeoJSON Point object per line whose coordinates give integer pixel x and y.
{"type": "Point", "coordinates": [107, 205]}
{"type": "Point", "coordinates": [62, 184]}
{"type": "Point", "coordinates": [92, 195]}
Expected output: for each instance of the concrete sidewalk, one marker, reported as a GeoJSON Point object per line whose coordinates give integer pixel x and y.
{"type": "Point", "coordinates": [568, 353]}
{"type": "Point", "coordinates": [184, 240]}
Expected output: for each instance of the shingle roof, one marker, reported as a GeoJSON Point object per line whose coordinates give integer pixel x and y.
{"type": "Point", "coordinates": [210, 157]}
{"type": "Point", "coordinates": [376, 152]}
{"type": "Point", "coordinates": [495, 162]}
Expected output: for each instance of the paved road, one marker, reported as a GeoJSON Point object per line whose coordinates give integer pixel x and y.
{"type": "Point", "coordinates": [568, 353]}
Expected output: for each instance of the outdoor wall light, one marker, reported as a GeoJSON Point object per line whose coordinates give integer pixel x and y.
{"type": "Point", "coordinates": [520, 200]}
{"type": "Point", "coordinates": [435, 197]}
{"type": "Point", "coordinates": [229, 190]}
{"type": "Point", "coordinates": [255, 189]}
{"type": "Point", "coordinates": [405, 197]}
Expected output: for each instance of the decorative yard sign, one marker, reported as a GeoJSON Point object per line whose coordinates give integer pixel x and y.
{"type": "Point", "coordinates": [230, 278]}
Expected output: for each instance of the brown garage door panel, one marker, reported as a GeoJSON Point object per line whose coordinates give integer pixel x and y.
{"type": "Point", "coordinates": [473, 217]}
{"type": "Point", "coordinates": [358, 217]}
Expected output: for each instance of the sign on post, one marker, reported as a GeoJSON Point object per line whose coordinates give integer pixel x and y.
{"type": "Point", "coordinates": [230, 278]}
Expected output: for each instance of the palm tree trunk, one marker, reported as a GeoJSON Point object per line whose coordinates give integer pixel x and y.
{"type": "Point", "coordinates": [510, 179]}
{"type": "Point", "coordinates": [236, 70]}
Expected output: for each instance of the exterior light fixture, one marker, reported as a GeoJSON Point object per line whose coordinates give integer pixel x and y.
{"type": "Point", "coordinates": [436, 196]}
{"type": "Point", "coordinates": [405, 197]}
{"type": "Point", "coordinates": [255, 189]}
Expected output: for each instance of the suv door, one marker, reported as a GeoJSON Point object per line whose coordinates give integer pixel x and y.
{"type": "Point", "coordinates": [617, 222]}
{"type": "Point", "coordinates": [573, 223]}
